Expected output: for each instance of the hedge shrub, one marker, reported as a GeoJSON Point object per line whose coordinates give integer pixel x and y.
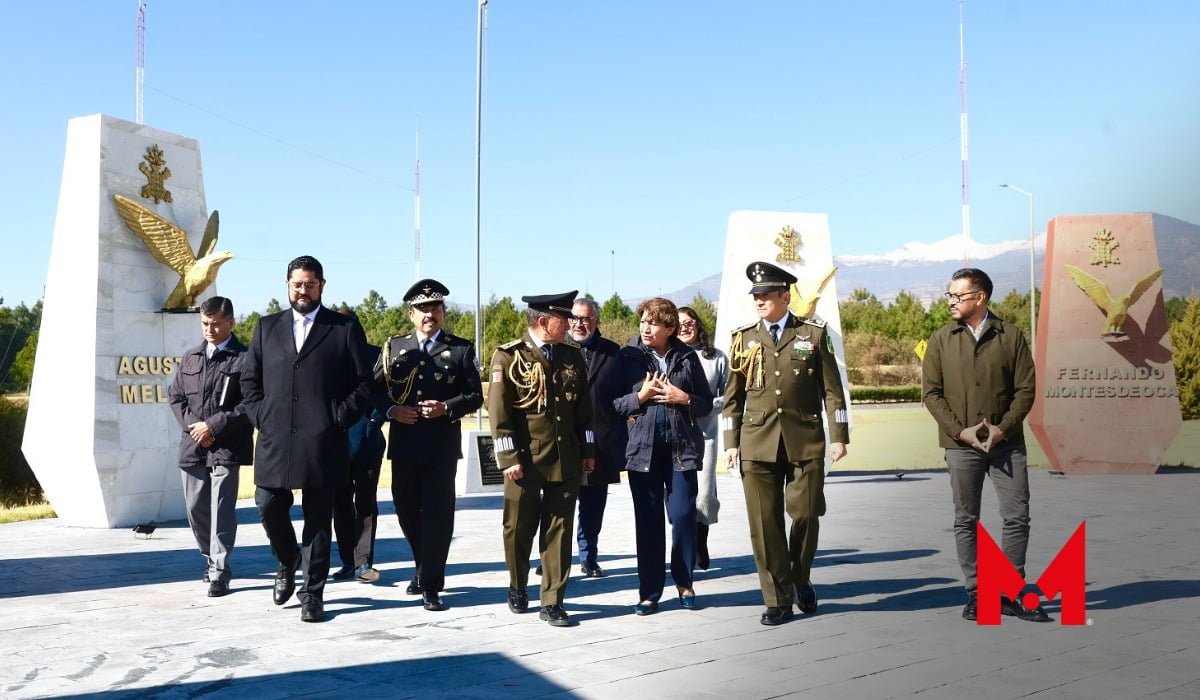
{"type": "Point", "coordinates": [18, 485]}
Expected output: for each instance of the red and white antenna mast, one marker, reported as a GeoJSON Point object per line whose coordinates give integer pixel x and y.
{"type": "Point", "coordinates": [962, 126]}
{"type": "Point", "coordinates": [417, 208]}
{"type": "Point", "coordinates": [141, 59]}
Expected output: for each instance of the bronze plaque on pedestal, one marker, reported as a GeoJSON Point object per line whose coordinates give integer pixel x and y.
{"type": "Point", "coordinates": [1107, 401]}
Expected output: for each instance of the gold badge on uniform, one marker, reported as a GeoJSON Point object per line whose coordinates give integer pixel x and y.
{"type": "Point", "coordinates": [437, 376]}
{"type": "Point", "coordinates": [570, 396]}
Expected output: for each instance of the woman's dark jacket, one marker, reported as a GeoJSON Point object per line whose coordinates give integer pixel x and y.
{"type": "Point", "coordinates": [686, 441]}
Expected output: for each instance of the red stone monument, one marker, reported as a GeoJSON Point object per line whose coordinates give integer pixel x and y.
{"type": "Point", "coordinates": [1107, 401]}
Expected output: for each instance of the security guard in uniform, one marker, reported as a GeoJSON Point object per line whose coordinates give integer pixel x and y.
{"type": "Point", "coordinates": [541, 416]}
{"type": "Point", "coordinates": [432, 381]}
{"type": "Point", "coordinates": [781, 369]}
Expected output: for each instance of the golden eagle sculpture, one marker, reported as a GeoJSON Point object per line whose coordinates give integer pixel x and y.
{"type": "Point", "coordinates": [1115, 308]}
{"type": "Point", "coordinates": [804, 299]}
{"type": "Point", "coordinates": [169, 245]}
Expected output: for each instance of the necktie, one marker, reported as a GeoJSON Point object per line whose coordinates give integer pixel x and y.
{"type": "Point", "coordinates": [425, 345]}
{"type": "Point", "coordinates": [774, 332]}
{"type": "Point", "coordinates": [301, 331]}
{"type": "Point", "coordinates": [548, 352]}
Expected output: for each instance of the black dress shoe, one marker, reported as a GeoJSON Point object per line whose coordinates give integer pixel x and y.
{"type": "Point", "coordinates": [806, 598]}
{"type": "Point", "coordinates": [971, 609]}
{"type": "Point", "coordinates": [431, 601]}
{"type": "Point", "coordinates": [343, 574]}
{"type": "Point", "coordinates": [414, 586]}
{"type": "Point", "coordinates": [591, 570]}
{"type": "Point", "coordinates": [518, 601]}
{"type": "Point", "coordinates": [218, 588]}
{"type": "Point", "coordinates": [646, 607]}
{"type": "Point", "coordinates": [777, 616]}
{"type": "Point", "coordinates": [1015, 609]}
{"type": "Point", "coordinates": [555, 615]}
{"type": "Point", "coordinates": [285, 583]}
{"type": "Point", "coordinates": [312, 610]}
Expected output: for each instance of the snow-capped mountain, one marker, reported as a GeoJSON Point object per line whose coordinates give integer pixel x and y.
{"type": "Point", "coordinates": [923, 268]}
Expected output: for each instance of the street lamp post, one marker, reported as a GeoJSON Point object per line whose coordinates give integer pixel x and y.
{"type": "Point", "coordinates": [1032, 282]}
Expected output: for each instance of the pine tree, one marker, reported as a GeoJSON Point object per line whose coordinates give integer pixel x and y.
{"type": "Point", "coordinates": [1185, 338]}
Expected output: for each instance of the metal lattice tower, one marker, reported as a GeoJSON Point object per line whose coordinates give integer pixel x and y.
{"type": "Point", "coordinates": [141, 59]}
{"type": "Point", "coordinates": [962, 127]}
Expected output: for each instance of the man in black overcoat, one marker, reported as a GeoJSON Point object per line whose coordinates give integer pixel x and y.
{"type": "Point", "coordinates": [604, 384]}
{"type": "Point", "coordinates": [307, 378]}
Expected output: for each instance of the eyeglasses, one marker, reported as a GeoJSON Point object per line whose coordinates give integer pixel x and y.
{"type": "Point", "coordinates": [303, 286]}
{"type": "Point", "coordinates": [687, 325]}
{"type": "Point", "coordinates": [581, 320]}
{"type": "Point", "coordinates": [959, 298]}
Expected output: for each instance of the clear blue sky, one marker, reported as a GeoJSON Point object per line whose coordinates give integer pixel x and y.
{"type": "Point", "coordinates": [626, 126]}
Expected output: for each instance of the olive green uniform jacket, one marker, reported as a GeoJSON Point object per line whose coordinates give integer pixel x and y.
{"type": "Point", "coordinates": [964, 381]}
{"type": "Point", "coordinates": [783, 400]}
{"type": "Point", "coordinates": [553, 439]}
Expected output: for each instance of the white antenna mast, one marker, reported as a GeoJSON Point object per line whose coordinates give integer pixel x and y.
{"type": "Point", "coordinates": [962, 125]}
{"type": "Point", "coordinates": [141, 59]}
{"type": "Point", "coordinates": [417, 208]}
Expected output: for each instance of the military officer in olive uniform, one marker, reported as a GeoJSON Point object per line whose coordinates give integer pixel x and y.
{"type": "Point", "coordinates": [431, 381]}
{"type": "Point", "coordinates": [782, 369]}
{"type": "Point", "coordinates": [541, 416]}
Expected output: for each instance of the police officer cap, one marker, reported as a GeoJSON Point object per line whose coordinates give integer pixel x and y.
{"type": "Point", "coordinates": [769, 278]}
{"type": "Point", "coordinates": [557, 304]}
{"type": "Point", "coordinates": [426, 291]}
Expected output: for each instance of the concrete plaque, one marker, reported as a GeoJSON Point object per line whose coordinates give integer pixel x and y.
{"type": "Point", "coordinates": [1107, 400]}
{"type": "Point", "coordinates": [100, 435]}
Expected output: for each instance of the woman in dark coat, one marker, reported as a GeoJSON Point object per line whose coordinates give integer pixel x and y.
{"type": "Point", "coordinates": [668, 392]}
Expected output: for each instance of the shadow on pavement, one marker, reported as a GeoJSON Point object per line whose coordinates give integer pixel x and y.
{"type": "Point", "coordinates": [444, 676]}
{"type": "Point", "coordinates": [1128, 594]}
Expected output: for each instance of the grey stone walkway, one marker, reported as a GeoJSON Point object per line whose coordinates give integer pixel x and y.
{"type": "Point", "coordinates": [102, 613]}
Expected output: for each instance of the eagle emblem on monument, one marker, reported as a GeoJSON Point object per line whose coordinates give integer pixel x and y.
{"type": "Point", "coordinates": [169, 245]}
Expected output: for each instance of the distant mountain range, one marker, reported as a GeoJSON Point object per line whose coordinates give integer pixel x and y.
{"type": "Point", "coordinates": [922, 269]}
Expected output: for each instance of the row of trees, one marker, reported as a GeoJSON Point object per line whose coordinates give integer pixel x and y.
{"type": "Point", "coordinates": [502, 320]}
{"type": "Point", "coordinates": [879, 338]}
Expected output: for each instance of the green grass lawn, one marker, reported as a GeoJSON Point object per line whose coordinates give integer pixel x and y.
{"type": "Point", "coordinates": [892, 438]}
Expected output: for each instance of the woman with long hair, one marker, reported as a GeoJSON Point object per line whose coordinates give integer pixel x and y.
{"type": "Point", "coordinates": [716, 369]}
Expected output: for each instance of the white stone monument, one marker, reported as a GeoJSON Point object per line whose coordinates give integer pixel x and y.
{"type": "Point", "coordinates": [100, 435]}
{"type": "Point", "coordinates": [478, 470]}
{"type": "Point", "coordinates": [796, 242]}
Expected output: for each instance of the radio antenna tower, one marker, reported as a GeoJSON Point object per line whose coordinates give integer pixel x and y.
{"type": "Point", "coordinates": [962, 126]}
{"type": "Point", "coordinates": [141, 59]}
{"type": "Point", "coordinates": [417, 208]}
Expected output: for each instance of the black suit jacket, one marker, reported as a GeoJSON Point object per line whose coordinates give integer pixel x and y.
{"type": "Point", "coordinates": [605, 383]}
{"type": "Point", "coordinates": [446, 373]}
{"type": "Point", "coordinates": [303, 402]}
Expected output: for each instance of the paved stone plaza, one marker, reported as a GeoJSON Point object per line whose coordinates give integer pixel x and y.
{"type": "Point", "coordinates": [104, 613]}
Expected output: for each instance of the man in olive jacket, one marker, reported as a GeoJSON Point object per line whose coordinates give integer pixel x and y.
{"type": "Point", "coordinates": [217, 438]}
{"type": "Point", "coordinates": [782, 369]}
{"type": "Point", "coordinates": [306, 379]}
{"type": "Point", "coordinates": [978, 382]}
{"type": "Point", "coordinates": [541, 414]}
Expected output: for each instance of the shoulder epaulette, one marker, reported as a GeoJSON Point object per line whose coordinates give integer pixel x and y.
{"type": "Point", "coordinates": [815, 322]}
{"type": "Point", "coordinates": [743, 329]}
{"type": "Point", "coordinates": [512, 345]}
{"type": "Point", "coordinates": [570, 343]}
{"type": "Point", "coordinates": [395, 337]}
